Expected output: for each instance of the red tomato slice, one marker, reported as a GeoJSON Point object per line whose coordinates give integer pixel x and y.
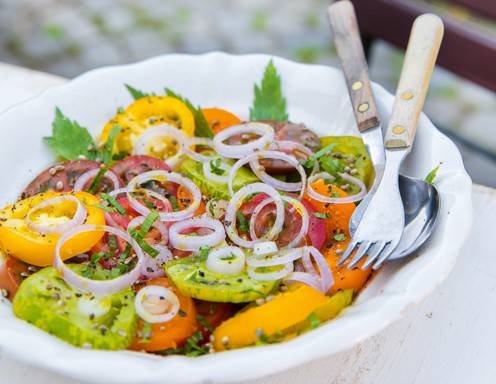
{"type": "Point", "coordinates": [316, 227]}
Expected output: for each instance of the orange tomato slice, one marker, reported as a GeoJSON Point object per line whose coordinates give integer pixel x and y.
{"type": "Point", "coordinates": [219, 119]}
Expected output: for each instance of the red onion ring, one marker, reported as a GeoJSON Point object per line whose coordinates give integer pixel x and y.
{"type": "Point", "coordinates": [98, 287]}
{"type": "Point", "coordinates": [280, 258]}
{"type": "Point", "coordinates": [163, 176]}
{"type": "Point", "coordinates": [153, 266]}
{"type": "Point", "coordinates": [161, 294]}
{"type": "Point", "coordinates": [77, 219]}
{"type": "Point", "coordinates": [238, 151]}
{"type": "Point", "coordinates": [91, 174]}
{"type": "Point", "coordinates": [194, 243]}
{"type": "Point", "coordinates": [270, 276]}
{"type": "Point", "coordinates": [161, 131]}
{"type": "Point", "coordinates": [300, 208]}
{"type": "Point", "coordinates": [195, 155]}
{"type": "Point", "coordinates": [336, 200]}
{"type": "Point", "coordinates": [269, 180]}
{"type": "Point", "coordinates": [287, 145]}
{"type": "Point", "coordinates": [236, 201]}
{"type": "Point", "coordinates": [323, 280]}
{"type": "Point", "coordinates": [216, 263]}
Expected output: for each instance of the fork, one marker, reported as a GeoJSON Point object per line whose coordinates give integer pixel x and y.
{"type": "Point", "coordinates": [382, 224]}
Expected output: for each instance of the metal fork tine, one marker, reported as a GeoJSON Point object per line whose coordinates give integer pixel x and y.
{"type": "Point", "coordinates": [347, 253]}
{"type": "Point", "coordinates": [383, 258]}
{"type": "Point", "coordinates": [378, 250]}
{"type": "Point", "coordinates": [360, 253]}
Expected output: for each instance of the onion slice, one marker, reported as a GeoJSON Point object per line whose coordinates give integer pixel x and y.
{"type": "Point", "coordinates": [226, 260]}
{"type": "Point", "coordinates": [280, 258]}
{"type": "Point", "coordinates": [162, 130]}
{"type": "Point", "coordinates": [195, 155]}
{"type": "Point", "coordinates": [269, 180]}
{"type": "Point", "coordinates": [281, 273]}
{"type": "Point", "coordinates": [300, 208]}
{"type": "Point", "coordinates": [156, 304]}
{"type": "Point", "coordinates": [293, 146]}
{"type": "Point", "coordinates": [236, 201]}
{"type": "Point", "coordinates": [163, 176]}
{"type": "Point", "coordinates": [99, 287]}
{"type": "Point", "coordinates": [91, 174]}
{"type": "Point", "coordinates": [194, 243]}
{"type": "Point", "coordinates": [153, 266]}
{"type": "Point", "coordinates": [336, 200]}
{"type": "Point", "coordinates": [207, 171]}
{"type": "Point", "coordinates": [237, 151]}
{"type": "Point", "coordinates": [77, 219]}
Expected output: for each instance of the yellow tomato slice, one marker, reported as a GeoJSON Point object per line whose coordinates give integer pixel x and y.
{"type": "Point", "coordinates": [19, 241]}
{"type": "Point", "coordinates": [145, 113]}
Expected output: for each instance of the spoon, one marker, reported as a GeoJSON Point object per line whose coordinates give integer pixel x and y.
{"type": "Point", "coordinates": [420, 199]}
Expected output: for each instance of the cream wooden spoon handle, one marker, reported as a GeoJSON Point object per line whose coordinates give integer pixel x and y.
{"type": "Point", "coordinates": [420, 58]}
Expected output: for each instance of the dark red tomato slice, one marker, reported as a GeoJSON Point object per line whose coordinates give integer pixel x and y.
{"type": "Point", "coordinates": [316, 226]}
{"type": "Point", "coordinates": [133, 166]}
{"type": "Point", "coordinates": [213, 314]}
{"type": "Point", "coordinates": [290, 228]}
{"type": "Point", "coordinates": [10, 275]}
{"type": "Point", "coordinates": [248, 207]}
{"type": "Point", "coordinates": [60, 177]}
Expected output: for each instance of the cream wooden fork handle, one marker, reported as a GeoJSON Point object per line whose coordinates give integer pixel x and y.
{"type": "Point", "coordinates": [420, 58]}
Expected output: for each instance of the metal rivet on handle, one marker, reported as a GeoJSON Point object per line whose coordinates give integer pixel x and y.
{"type": "Point", "coordinates": [407, 95]}
{"type": "Point", "coordinates": [398, 130]}
{"type": "Point", "coordinates": [364, 107]}
{"type": "Point", "coordinates": [357, 85]}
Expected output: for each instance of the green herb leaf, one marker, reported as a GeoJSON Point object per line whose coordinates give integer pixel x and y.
{"type": "Point", "coordinates": [202, 129]}
{"type": "Point", "coordinates": [136, 93]}
{"type": "Point", "coordinates": [432, 175]}
{"type": "Point", "coordinates": [340, 237]}
{"type": "Point", "coordinates": [173, 201]}
{"type": "Point", "coordinates": [94, 184]}
{"type": "Point", "coordinates": [204, 251]}
{"type": "Point", "coordinates": [204, 322]}
{"type": "Point", "coordinates": [321, 215]}
{"type": "Point", "coordinates": [215, 166]}
{"type": "Point", "coordinates": [243, 223]}
{"type": "Point", "coordinates": [146, 332]}
{"type": "Point", "coordinates": [308, 163]}
{"type": "Point", "coordinates": [148, 222]}
{"type": "Point", "coordinates": [113, 202]}
{"type": "Point", "coordinates": [69, 140]}
{"type": "Point", "coordinates": [106, 208]}
{"type": "Point", "coordinates": [314, 320]}
{"type": "Point", "coordinates": [108, 148]}
{"type": "Point", "coordinates": [269, 104]}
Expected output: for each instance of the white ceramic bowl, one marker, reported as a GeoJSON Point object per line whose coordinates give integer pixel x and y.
{"type": "Point", "coordinates": [315, 95]}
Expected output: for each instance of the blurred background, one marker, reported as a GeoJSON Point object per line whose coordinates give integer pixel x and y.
{"type": "Point", "coordinates": [68, 37]}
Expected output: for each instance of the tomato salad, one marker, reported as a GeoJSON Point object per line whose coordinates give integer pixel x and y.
{"type": "Point", "coordinates": [186, 230]}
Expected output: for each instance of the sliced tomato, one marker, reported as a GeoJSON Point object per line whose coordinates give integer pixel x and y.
{"type": "Point", "coordinates": [184, 200]}
{"type": "Point", "coordinates": [248, 207]}
{"type": "Point", "coordinates": [60, 177]}
{"type": "Point", "coordinates": [171, 334]}
{"type": "Point", "coordinates": [133, 166]}
{"type": "Point", "coordinates": [219, 119]}
{"type": "Point", "coordinates": [213, 314]}
{"type": "Point", "coordinates": [10, 275]}
{"type": "Point", "coordinates": [316, 226]}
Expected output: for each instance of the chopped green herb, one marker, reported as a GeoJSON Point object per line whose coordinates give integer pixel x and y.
{"type": "Point", "coordinates": [108, 148]}
{"type": "Point", "coordinates": [148, 222]}
{"type": "Point", "coordinates": [115, 272]}
{"type": "Point", "coordinates": [432, 175]}
{"type": "Point", "coordinates": [136, 93]}
{"type": "Point", "coordinates": [112, 240]}
{"type": "Point", "coordinates": [146, 332]}
{"type": "Point", "coordinates": [269, 103]}
{"type": "Point", "coordinates": [202, 129]}
{"type": "Point", "coordinates": [94, 184]}
{"type": "Point", "coordinates": [120, 110]}
{"type": "Point", "coordinates": [229, 257]}
{"type": "Point", "coordinates": [173, 201]}
{"type": "Point", "coordinates": [321, 215]}
{"type": "Point", "coordinates": [143, 244]}
{"type": "Point", "coordinates": [309, 162]}
{"type": "Point", "coordinates": [340, 237]}
{"type": "Point", "coordinates": [204, 251]}
{"type": "Point", "coordinates": [113, 202]}
{"type": "Point", "coordinates": [243, 224]}
{"type": "Point", "coordinates": [314, 320]}
{"type": "Point", "coordinates": [106, 208]}
{"type": "Point", "coordinates": [204, 322]}
{"type": "Point", "coordinates": [215, 166]}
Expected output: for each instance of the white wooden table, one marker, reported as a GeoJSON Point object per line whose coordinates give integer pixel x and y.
{"type": "Point", "coordinates": [449, 338]}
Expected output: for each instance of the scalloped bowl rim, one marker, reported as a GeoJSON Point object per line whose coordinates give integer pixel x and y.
{"type": "Point", "coordinates": [407, 282]}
